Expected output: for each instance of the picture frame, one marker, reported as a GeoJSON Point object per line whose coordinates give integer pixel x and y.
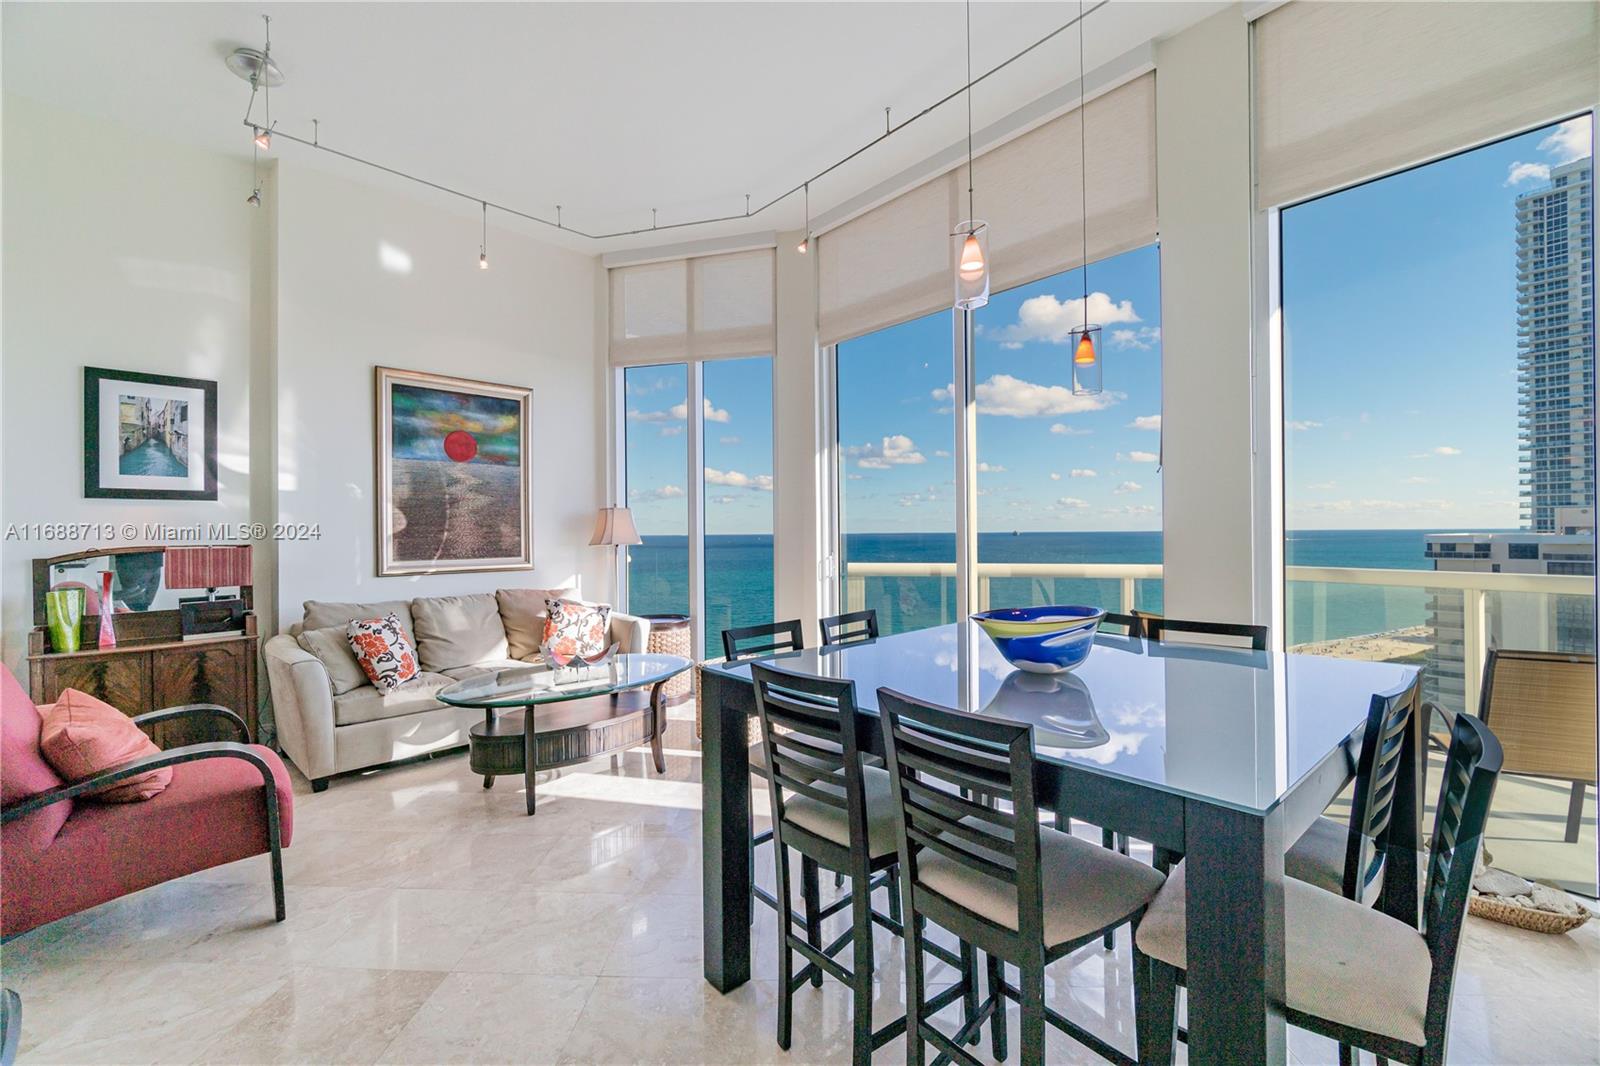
{"type": "Point", "coordinates": [453, 474]}
{"type": "Point", "coordinates": [148, 436]}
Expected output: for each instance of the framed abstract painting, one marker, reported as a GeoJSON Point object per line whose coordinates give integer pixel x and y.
{"type": "Point", "coordinates": [454, 474]}
{"type": "Point", "coordinates": [148, 436]}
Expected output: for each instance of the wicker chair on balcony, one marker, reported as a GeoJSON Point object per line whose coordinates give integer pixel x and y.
{"type": "Point", "coordinates": [1541, 706]}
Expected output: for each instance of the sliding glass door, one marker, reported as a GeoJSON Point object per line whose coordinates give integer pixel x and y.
{"type": "Point", "coordinates": [656, 467]}
{"type": "Point", "coordinates": [737, 431]}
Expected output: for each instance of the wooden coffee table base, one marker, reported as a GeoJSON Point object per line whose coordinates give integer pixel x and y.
{"type": "Point", "coordinates": [566, 733]}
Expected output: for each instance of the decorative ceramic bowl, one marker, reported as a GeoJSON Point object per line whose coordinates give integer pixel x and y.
{"type": "Point", "coordinates": [1044, 640]}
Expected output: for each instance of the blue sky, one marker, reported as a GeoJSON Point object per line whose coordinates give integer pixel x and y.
{"type": "Point", "coordinates": [1399, 302]}
{"type": "Point", "coordinates": [1399, 312]}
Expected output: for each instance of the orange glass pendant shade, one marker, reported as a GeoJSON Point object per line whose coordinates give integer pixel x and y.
{"type": "Point", "coordinates": [1084, 354]}
{"type": "Point", "coordinates": [971, 257]}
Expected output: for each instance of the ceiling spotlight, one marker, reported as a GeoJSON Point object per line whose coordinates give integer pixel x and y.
{"type": "Point", "coordinates": [483, 245]}
{"type": "Point", "coordinates": [255, 67]}
{"type": "Point", "coordinates": [483, 260]}
{"type": "Point", "coordinates": [263, 139]}
{"type": "Point", "coordinates": [254, 199]}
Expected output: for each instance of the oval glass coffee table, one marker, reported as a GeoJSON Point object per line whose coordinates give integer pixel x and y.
{"type": "Point", "coordinates": [539, 718]}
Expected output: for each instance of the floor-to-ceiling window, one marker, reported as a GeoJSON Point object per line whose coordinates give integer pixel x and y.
{"type": "Point", "coordinates": [1438, 338]}
{"type": "Point", "coordinates": [1069, 493]}
{"type": "Point", "coordinates": [896, 474]}
{"type": "Point", "coordinates": [737, 421]}
{"type": "Point", "coordinates": [657, 470]}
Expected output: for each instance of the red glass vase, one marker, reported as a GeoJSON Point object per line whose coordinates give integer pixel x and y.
{"type": "Point", "coordinates": [108, 633]}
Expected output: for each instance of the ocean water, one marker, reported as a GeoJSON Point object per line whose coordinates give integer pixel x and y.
{"type": "Point", "coordinates": [739, 577]}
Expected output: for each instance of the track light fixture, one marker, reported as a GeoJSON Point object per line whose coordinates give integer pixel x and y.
{"type": "Point", "coordinates": [805, 242]}
{"type": "Point", "coordinates": [483, 246]}
{"type": "Point", "coordinates": [258, 69]}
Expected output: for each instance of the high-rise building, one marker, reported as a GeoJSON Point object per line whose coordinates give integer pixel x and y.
{"type": "Point", "coordinates": [1555, 340]}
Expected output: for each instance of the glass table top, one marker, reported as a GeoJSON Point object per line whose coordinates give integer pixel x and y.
{"type": "Point", "coordinates": [536, 683]}
{"type": "Point", "coordinates": [1234, 727]}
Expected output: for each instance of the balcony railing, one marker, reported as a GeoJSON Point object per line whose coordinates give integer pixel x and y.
{"type": "Point", "coordinates": [1475, 587]}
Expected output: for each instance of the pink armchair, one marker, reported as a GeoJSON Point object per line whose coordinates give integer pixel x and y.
{"type": "Point", "coordinates": [60, 855]}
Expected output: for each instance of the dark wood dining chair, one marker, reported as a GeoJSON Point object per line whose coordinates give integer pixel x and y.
{"type": "Point", "coordinates": [1542, 705]}
{"type": "Point", "coordinates": [1222, 634]}
{"type": "Point", "coordinates": [835, 810]}
{"type": "Point", "coordinates": [1017, 891]}
{"type": "Point", "coordinates": [1351, 973]}
{"type": "Point", "coordinates": [851, 628]}
{"type": "Point", "coordinates": [1348, 859]}
{"type": "Point", "coordinates": [744, 643]}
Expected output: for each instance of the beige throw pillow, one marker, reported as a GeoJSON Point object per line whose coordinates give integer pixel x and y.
{"type": "Point", "coordinates": [457, 631]}
{"type": "Point", "coordinates": [523, 612]}
{"type": "Point", "coordinates": [331, 645]}
{"type": "Point", "coordinates": [319, 614]}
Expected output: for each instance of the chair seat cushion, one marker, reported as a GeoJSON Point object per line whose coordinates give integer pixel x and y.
{"type": "Point", "coordinates": [830, 823]}
{"type": "Point", "coordinates": [1317, 858]}
{"type": "Point", "coordinates": [1343, 962]}
{"type": "Point", "coordinates": [1087, 888]}
{"type": "Point", "coordinates": [368, 704]}
{"type": "Point", "coordinates": [211, 813]}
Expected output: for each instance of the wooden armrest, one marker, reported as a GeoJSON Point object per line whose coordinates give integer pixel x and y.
{"type": "Point", "coordinates": [171, 757]}
{"type": "Point", "coordinates": [196, 710]}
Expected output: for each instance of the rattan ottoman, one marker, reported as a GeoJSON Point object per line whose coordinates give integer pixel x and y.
{"type": "Point", "coordinates": [670, 635]}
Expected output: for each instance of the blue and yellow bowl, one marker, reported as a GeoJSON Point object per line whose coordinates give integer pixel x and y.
{"type": "Point", "coordinates": [1044, 640]}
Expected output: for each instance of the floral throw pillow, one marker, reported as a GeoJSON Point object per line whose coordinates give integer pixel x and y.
{"type": "Point", "coordinates": [577, 628]}
{"type": "Point", "coordinates": [383, 651]}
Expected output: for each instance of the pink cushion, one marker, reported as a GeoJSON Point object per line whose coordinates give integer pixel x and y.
{"type": "Point", "coordinates": [83, 736]}
{"type": "Point", "coordinates": [23, 771]}
{"type": "Point", "coordinates": [212, 813]}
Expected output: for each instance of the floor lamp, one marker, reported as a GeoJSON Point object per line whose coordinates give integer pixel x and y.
{"type": "Point", "coordinates": [613, 528]}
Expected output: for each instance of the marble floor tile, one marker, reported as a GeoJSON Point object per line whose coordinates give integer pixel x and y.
{"type": "Point", "coordinates": [412, 929]}
{"type": "Point", "coordinates": [496, 1018]}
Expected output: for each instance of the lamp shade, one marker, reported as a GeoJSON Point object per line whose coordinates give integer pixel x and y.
{"type": "Point", "coordinates": [614, 525]}
{"type": "Point", "coordinates": [209, 567]}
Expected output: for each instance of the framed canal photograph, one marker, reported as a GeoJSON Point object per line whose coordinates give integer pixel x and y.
{"type": "Point", "coordinates": [148, 436]}
{"type": "Point", "coordinates": [455, 487]}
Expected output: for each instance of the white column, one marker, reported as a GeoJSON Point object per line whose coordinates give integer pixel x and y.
{"type": "Point", "coordinates": [801, 452]}
{"type": "Point", "coordinates": [1203, 143]}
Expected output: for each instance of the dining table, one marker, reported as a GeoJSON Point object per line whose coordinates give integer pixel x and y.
{"type": "Point", "coordinates": [1221, 756]}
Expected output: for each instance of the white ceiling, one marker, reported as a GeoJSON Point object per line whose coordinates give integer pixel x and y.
{"type": "Point", "coordinates": [609, 109]}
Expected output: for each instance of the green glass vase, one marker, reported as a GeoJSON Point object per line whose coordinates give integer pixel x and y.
{"type": "Point", "coordinates": [64, 614]}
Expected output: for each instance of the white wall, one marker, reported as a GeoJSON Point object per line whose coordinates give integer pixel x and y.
{"type": "Point", "coordinates": [528, 320]}
{"type": "Point", "coordinates": [124, 252]}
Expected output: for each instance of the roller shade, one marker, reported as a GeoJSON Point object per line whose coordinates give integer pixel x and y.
{"type": "Point", "coordinates": [712, 307]}
{"type": "Point", "coordinates": [894, 263]}
{"type": "Point", "coordinates": [1345, 91]}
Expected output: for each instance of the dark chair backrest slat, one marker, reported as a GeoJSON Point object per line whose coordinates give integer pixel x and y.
{"type": "Point", "coordinates": [1472, 769]}
{"type": "Point", "coordinates": [743, 643]}
{"type": "Point", "coordinates": [1132, 624]}
{"type": "Point", "coordinates": [851, 628]}
{"type": "Point", "coordinates": [934, 753]}
{"type": "Point", "coordinates": [1377, 772]}
{"type": "Point", "coordinates": [1158, 628]}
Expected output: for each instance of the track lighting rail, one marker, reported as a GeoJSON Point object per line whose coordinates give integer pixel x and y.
{"type": "Point", "coordinates": [315, 143]}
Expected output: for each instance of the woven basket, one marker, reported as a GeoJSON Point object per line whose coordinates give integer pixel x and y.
{"type": "Point", "coordinates": [673, 639]}
{"type": "Point", "coordinates": [1524, 917]}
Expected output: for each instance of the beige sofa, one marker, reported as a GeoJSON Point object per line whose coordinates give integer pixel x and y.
{"type": "Point", "coordinates": [331, 720]}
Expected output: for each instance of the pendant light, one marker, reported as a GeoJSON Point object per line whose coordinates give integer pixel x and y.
{"type": "Point", "coordinates": [805, 242]}
{"type": "Point", "coordinates": [483, 247]}
{"type": "Point", "coordinates": [1084, 340]}
{"type": "Point", "coordinates": [263, 135]}
{"type": "Point", "coordinates": [972, 235]}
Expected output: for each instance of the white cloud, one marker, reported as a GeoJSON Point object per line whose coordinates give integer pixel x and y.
{"type": "Point", "coordinates": [1011, 397]}
{"type": "Point", "coordinates": [1083, 472]}
{"type": "Point", "coordinates": [729, 440]}
{"type": "Point", "coordinates": [1126, 487]}
{"type": "Point", "coordinates": [1571, 140]}
{"type": "Point", "coordinates": [1060, 429]}
{"type": "Point", "coordinates": [1150, 422]}
{"type": "Point", "coordinates": [895, 450]}
{"type": "Point", "coordinates": [855, 477]}
{"type": "Point", "coordinates": [680, 411]}
{"type": "Point", "coordinates": [941, 454]}
{"type": "Point", "coordinates": [1375, 505]}
{"type": "Point", "coordinates": [723, 499]}
{"type": "Point", "coordinates": [665, 492]}
{"type": "Point", "coordinates": [734, 480]}
{"type": "Point", "coordinates": [1130, 510]}
{"type": "Point", "coordinates": [1520, 172]}
{"type": "Point", "coordinates": [990, 468]}
{"type": "Point", "coordinates": [671, 431]}
{"type": "Point", "coordinates": [1054, 476]}
{"type": "Point", "coordinates": [1137, 457]}
{"type": "Point", "coordinates": [1046, 318]}
{"type": "Point", "coordinates": [1145, 337]}
{"type": "Point", "coordinates": [1072, 503]}
{"type": "Point", "coordinates": [1304, 424]}
{"type": "Point", "coordinates": [1322, 486]}
{"type": "Point", "coordinates": [1417, 480]}
{"type": "Point", "coordinates": [1442, 450]}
